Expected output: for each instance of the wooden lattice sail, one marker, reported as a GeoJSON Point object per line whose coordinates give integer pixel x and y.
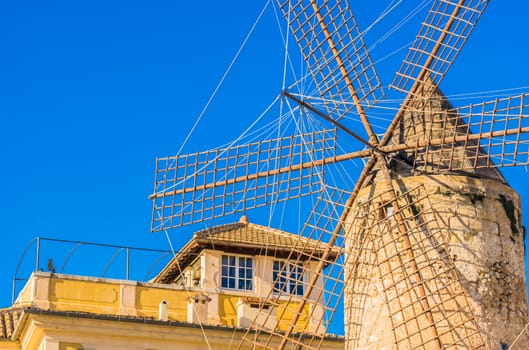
{"type": "Point", "coordinates": [205, 185]}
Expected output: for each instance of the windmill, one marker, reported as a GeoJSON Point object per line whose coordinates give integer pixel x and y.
{"type": "Point", "coordinates": [430, 218]}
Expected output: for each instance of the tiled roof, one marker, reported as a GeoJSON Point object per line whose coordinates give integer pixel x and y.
{"type": "Point", "coordinates": [245, 238]}
{"type": "Point", "coordinates": [8, 320]}
{"type": "Point", "coordinates": [241, 233]}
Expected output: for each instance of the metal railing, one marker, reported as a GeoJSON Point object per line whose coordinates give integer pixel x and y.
{"type": "Point", "coordinates": [37, 242]}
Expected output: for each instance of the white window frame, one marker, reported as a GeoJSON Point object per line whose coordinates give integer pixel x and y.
{"type": "Point", "coordinates": [285, 283]}
{"type": "Point", "coordinates": [241, 280]}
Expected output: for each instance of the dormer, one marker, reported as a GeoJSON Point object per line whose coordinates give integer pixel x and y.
{"type": "Point", "coordinates": [235, 267]}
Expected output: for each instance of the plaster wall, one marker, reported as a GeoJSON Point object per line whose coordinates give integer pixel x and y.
{"type": "Point", "coordinates": [62, 332]}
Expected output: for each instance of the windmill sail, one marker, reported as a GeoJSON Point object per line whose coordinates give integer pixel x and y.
{"type": "Point", "coordinates": [200, 186]}
{"type": "Point", "coordinates": [335, 53]}
{"type": "Point", "coordinates": [493, 134]}
{"type": "Point", "coordinates": [445, 30]}
{"type": "Point", "coordinates": [435, 137]}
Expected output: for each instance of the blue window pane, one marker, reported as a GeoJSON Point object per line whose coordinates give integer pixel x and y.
{"type": "Point", "coordinates": [236, 272]}
{"type": "Point", "coordinates": [288, 278]}
{"type": "Point", "coordinates": [299, 289]}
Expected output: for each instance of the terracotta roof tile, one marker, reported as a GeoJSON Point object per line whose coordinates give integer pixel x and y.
{"type": "Point", "coordinates": [8, 320]}
{"type": "Point", "coordinates": [238, 233]}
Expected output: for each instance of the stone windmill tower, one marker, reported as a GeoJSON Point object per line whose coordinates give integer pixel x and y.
{"type": "Point", "coordinates": [465, 245]}
{"type": "Point", "coordinates": [430, 235]}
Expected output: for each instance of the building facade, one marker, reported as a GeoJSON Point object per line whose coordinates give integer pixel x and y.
{"type": "Point", "coordinates": [205, 298]}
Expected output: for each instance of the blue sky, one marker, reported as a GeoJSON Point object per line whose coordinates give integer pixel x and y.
{"type": "Point", "coordinates": [91, 92]}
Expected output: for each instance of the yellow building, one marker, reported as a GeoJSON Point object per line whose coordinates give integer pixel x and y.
{"type": "Point", "coordinates": [205, 298]}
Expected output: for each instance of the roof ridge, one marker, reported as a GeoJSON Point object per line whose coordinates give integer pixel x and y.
{"type": "Point", "coordinates": [299, 236]}
{"type": "Point", "coordinates": [219, 228]}
{"type": "Point", "coordinates": [275, 230]}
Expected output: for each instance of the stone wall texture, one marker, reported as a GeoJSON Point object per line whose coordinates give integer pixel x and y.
{"type": "Point", "coordinates": [477, 249]}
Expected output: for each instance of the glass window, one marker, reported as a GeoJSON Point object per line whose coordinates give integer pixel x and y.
{"type": "Point", "coordinates": [236, 272]}
{"type": "Point", "coordinates": [288, 278]}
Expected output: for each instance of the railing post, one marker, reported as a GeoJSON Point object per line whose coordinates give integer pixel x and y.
{"type": "Point", "coordinates": [127, 263]}
{"type": "Point", "coordinates": [38, 255]}
{"type": "Point", "coordinates": [13, 290]}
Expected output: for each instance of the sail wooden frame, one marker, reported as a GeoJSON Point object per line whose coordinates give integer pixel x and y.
{"type": "Point", "coordinates": [204, 185]}
{"type": "Point", "coordinates": [333, 48]}
{"type": "Point", "coordinates": [490, 134]}
{"type": "Point", "coordinates": [445, 30]}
